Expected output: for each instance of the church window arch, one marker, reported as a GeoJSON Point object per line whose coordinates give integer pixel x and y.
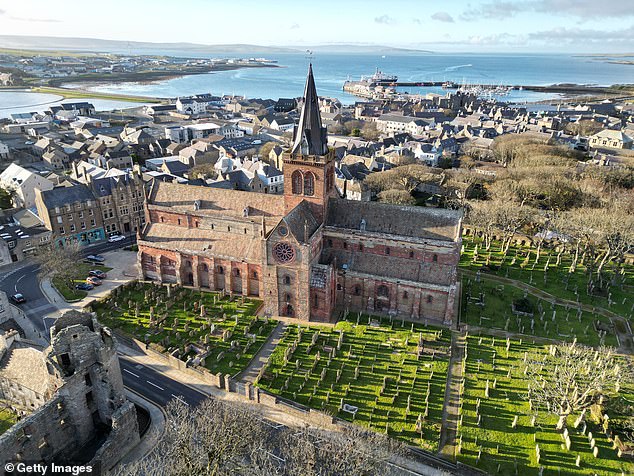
{"type": "Point", "coordinates": [309, 184]}
{"type": "Point", "coordinates": [383, 290]}
{"type": "Point", "coordinates": [297, 182]}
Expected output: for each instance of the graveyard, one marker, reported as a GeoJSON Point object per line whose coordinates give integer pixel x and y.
{"type": "Point", "coordinates": [502, 431]}
{"type": "Point", "coordinates": [219, 332]}
{"type": "Point", "coordinates": [385, 374]}
{"type": "Point", "coordinates": [489, 304]}
{"type": "Point", "coordinates": [549, 271]}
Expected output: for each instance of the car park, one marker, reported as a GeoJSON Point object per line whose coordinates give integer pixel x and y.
{"type": "Point", "coordinates": [84, 286]}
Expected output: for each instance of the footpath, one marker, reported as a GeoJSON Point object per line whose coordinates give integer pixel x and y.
{"type": "Point", "coordinates": [455, 376]}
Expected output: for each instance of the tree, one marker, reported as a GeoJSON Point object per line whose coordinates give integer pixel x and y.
{"type": "Point", "coordinates": [369, 131]}
{"type": "Point", "coordinates": [204, 170]}
{"type": "Point", "coordinates": [218, 438]}
{"type": "Point", "coordinates": [571, 378]}
{"type": "Point", "coordinates": [396, 197]}
{"type": "Point", "coordinates": [265, 150]}
{"type": "Point", "coordinates": [60, 262]}
{"type": "Point", "coordinates": [6, 198]}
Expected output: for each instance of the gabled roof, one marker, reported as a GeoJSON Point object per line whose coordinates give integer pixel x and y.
{"type": "Point", "coordinates": [301, 222]}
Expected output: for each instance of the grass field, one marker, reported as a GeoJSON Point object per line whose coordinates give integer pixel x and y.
{"type": "Point", "coordinates": [374, 367]}
{"type": "Point", "coordinates": [79, 276]}
{"type": "Point", "coordinates": [7, 420]}
{"type": "Point", "coordinates": [507, 450]}
{"type": "Point", "coordinates": [68, 93]}
{"type": "Point", "coordinates": [496, 311]}
{"type": "Point", "coordinates": [520, 264]}
{"type": "Point", "coordinates": [228, 335]}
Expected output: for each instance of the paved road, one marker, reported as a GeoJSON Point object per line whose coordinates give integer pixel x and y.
{"type": "Point", "coordinates": [22, 278]}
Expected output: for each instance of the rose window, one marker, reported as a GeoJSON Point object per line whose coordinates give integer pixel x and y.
{"type": "Point", "coordinates": [283, 252]}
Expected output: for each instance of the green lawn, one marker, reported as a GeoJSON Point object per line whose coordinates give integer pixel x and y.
{"type": "Point", "coordinates": [79, 276]}
{"type": "Point", "coordinates": [229, 334]}
{"type": "Point", "coordinates": [496, 311]}
{"type": "Point", "coordinates": [7, 420]}
{"type": "Point", "coordinates": [507, 450]}
{"type": "Point", "coordinates": [375, 368]}
{"type": "Point", "coordinates": [520, 264]}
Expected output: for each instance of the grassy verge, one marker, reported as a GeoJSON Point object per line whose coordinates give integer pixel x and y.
{"type": "Point", "coordinates": [374, 367]}
{"type": "Point", "coordinates": [228, 333]}
{"type": "Point", "coordinates": [68, 93]}
{"type": "Point", "coordinates": [79, 276]}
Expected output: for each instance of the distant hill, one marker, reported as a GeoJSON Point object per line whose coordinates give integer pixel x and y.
{"type": "Point", "coordinates": [135, 47]}
{"type": "Point", "coordinates": [51, 43]}
{"type": "Point", "coordinates": [370, 49]}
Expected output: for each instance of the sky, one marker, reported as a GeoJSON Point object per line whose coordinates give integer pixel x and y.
{"type": "Point", "coordinates": [592, 26]}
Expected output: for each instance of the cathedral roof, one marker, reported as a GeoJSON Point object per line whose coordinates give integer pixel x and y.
{"type": "Point", "coordinates": [398, 220]}
{"type": "Point", "coordinates": [310, 137]}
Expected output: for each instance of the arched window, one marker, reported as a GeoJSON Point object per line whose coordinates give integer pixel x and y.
{"type": "Point", "coordinates": [429, 299]}
{"type": "Point", "coordinates": [329, 243]}
{"type": "Point", "coordinates": [357, 290]}
{"type": "Point", "coordinates": [255, 275]}
{"type": "Point", "coordinates": [411, 254]}
{"type": "Point", "coordinates": [309, 184]}
{"type": "Point", "coordinates": [287, 280]}
{"type": "Point", "coordinates": [237, 272]}
{"type": "Point", "coordinates": [339, 288]}
{"type": "Point", "coordinates": [205, 267]}
{"type": "Point", "coordinates": [221, 270]}
{"type": "Point", "coordinates": [316, 301]}
{"type": "Point", "coordinates": [383, 290]}
{"type": "Point", "coordinates": [405, 295]}
{"type": "Point", "coordinates": [435, 258]}
{"type": "Point", "coordinates": [329, 178]}
{"type": "Point", "coordinates": [297, 181]}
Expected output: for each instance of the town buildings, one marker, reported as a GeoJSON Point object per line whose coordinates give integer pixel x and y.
{"type": "Point", "coordinates": [22, 184]}
{"type": "Point", "coordinates": [307, 253]}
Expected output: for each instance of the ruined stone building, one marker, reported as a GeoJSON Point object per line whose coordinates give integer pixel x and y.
{"type": "Point", "coordinates": [74, 389]}
{"type": "Point", "coordinates": [308, 252]}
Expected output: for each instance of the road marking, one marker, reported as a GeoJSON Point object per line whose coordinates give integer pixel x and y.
{"type": "Point", "coordinates": [131, 373]}
{"type": "Point", "coordinates": [19, 279]}
{"type": "Point", "coordinates": [154, 385]}
{"type": "Point", "coordinates": [180, 399]}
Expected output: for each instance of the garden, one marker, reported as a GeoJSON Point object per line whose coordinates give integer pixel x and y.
{"type": "Point", "coordinates": [79, 275]}
{"type": "Point", "coordinates": [503, 430]}
{"type": "Point", "coordinates": [386, 374]}
{"type": "Point", "coordinates": [219, 332]}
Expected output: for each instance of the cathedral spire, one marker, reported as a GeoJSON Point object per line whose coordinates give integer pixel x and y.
{"type": "Point", "coordinates": [309, 137]}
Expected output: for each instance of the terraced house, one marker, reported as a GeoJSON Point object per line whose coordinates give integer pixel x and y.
{"type": "Point", "coordinates": [307, 253]}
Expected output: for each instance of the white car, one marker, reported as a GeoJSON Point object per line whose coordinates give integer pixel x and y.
{"type": "Point", "coordinates": [115, 238]}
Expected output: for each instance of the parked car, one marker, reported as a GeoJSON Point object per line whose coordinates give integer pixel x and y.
{"type": "Point", "coordinates": [94, 281]}
{"type": "Point", "coordinates": [115, 238]}
{"type": "Point", "coordinates": [97, 258]}
{"type": "Point", "coordinates": [18, 298]}
{"type": "Point", "coordinates": [97, 273]}
{"type": "Point", "coordinates": [84, 286]}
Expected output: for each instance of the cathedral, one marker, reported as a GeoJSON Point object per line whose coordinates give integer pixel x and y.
{"type": "Point", "coordinates": [307, 254]}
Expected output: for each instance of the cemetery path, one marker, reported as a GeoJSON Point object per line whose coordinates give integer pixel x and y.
{"type": "Point", "coordinates": [622, 328]}
{"type": "Point", "coordinates": [450, 412]}
{"type": "Point", "coordinates": [262, 357]}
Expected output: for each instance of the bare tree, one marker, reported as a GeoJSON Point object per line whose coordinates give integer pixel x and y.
{"type": "Point", "coordinates": [218, 438]}
{"type": "Point", "coordinates": [571, 378]}
{"type": "Point", "coordinates": [60, 262]}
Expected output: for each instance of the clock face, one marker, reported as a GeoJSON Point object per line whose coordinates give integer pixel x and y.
{"type": "Point", "coordinates": [283, 252]}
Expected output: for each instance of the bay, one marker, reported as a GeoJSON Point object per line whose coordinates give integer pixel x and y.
{"type": "Point", "coordinates": [331, 70]}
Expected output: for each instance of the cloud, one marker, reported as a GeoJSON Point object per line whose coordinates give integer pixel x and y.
{"type": "Point", "coordinates": [584, 35]}
{"type": "Point", "coordinates": [442, 16]}
{"type": "Point", "coordinates": [295, 26]}
{"type": "Point", "coordinates": [39, 20]}
{"type": "Point", "coordinates": [584, 9]}
{"type": "Point", "coordinates": [417, 21]}
{"type": "Point", "coordinates": [384, 20]}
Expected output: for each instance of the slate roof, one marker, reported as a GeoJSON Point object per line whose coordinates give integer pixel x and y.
{"type": "Point", "coordinates": [404, 221]}
{"type": "Point", "coordinates": [58, 197]}
{"type": "Point", "coordinates": [310, 137]}
{"type": "Point", "coordinates": [301, 221]}
{"type": "Point", "coordinates": [25, 366]}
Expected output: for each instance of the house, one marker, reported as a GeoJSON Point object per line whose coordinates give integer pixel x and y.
{"type": "Point", "coordinates": [78, 108]}
{"type": "Point", "coordinates": [22, 233]}
{"type": "Point", "coordinates": [72, 214]}
{"type": "Point", "coordinates": [285, 105]}
{"type": "Point", "coordinates": [282, 124]}
{"type": "Point", "coordinates": [4, 151]}
{"type": "Point", "coordinates": [22, 184]}
{"type": "Point", "coordinates": [612, 139]}
{"type": "Point", "coordinates": [56, 158]}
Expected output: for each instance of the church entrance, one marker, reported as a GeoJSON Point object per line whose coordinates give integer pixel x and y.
{"type": "Point", "coordinates": [382, 301]}
{"type": "Point", "coordinates": [203, 275]}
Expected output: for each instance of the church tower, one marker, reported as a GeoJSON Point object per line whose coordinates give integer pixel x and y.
{"type": "Point", "coordinates": [309, 167]}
